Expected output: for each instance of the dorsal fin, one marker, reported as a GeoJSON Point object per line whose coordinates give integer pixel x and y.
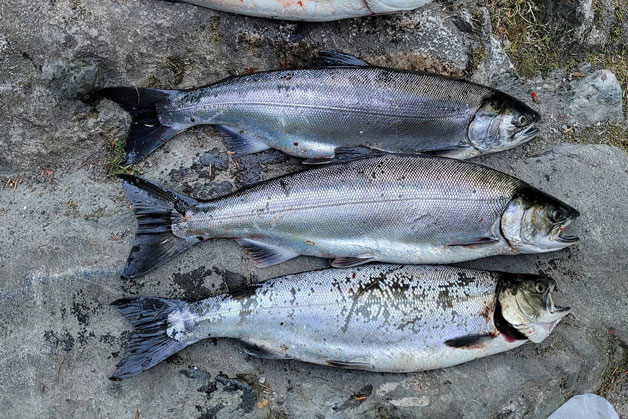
{"type": "Point", "coordinates": [331, 58]}
{"type": "Point", "coordinates": [301, 30]}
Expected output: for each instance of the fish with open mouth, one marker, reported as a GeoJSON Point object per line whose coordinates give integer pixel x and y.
{"type": "Point", "coordinates": [313, 113]}
{"type": "Point", "coordinates": [388, 208]}
{"type": "Point", "coordinates": [308, 10]}
{"type": "Point", "coordinates": [385, 318]}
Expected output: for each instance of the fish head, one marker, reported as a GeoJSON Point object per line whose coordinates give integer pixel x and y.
{"type": "Point", "coordinates": [501, 123]}
{"type": "Point", "coordinates": [534, 222]}
{"type": "Point", "coordinates": [527, 305]}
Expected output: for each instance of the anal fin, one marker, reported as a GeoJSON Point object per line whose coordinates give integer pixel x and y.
{"type": "Point", "coordinates": [265, 254]}
{"type": "Point", "coordinates": [241, 142]}
{"type": "Point", "coordinates": [255, 350]}
{"type": "Point", "coordinates": [345, 155]}
{"type": "Point", "coordinates": [469, 341]}
{"type": "Point", "coordinates": [350, 261]}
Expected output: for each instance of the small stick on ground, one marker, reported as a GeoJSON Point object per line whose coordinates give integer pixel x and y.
{"type": "Point", "coordinates": [59, 367]}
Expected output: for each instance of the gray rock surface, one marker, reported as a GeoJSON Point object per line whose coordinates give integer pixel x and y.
{"type": "Point", "coordinates": [67, 227]}
{"type": "Point", "coordinates": [596, 98]}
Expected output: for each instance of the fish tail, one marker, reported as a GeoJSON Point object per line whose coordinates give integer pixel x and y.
{"type": "Point", "coordinates": [157, 210]}
{"type": "Point", "coordinates": [147, 133]}
{"type": "Point", "coordinates": [156, 337]}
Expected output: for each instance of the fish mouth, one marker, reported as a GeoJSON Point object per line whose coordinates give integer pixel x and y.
{"type": "Point", "coordinates": [553, 309]}
{"type": "Point", "coordinates": [558, 230]}
{"type": "Point", "coordinates": [554, 312]}
{"type": "Point", "coordinates": [527, 133]}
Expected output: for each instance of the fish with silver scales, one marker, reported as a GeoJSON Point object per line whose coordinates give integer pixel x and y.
{"type": "Point", "coordinates": [308, 10]}
{"type": "Point", "coordinates": [344, 102]}
{"type": "Point", "coordinates": [407, 209]}
{"type": "Point", "coordinates": [385, 318]}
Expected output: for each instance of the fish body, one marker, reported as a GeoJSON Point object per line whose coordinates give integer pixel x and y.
{"type": "Point", "coordinates": [389, 208]}
{"type": "Point", "coordinates": [313, 113]}
{"type": "Point", "coordinates": [385, 318]}
{"type": "Point", "coordinates": [309, 10]}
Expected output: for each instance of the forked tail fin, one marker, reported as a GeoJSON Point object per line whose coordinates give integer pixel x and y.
{"type": "Point", "coordinates": [150, 343]}
{"type": "Point", "coordinates": [147, 133]}
{"type": "Point", "coordinates": [157, 210]}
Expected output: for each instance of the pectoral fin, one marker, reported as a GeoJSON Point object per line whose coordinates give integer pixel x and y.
{"type": "Point", "coordinates": [475, 241]}
{"type": "Point", "coordinates": [318, 160]}
{"type": "Point", "coordinates": [469, 341]}
{"type": "Point", "coordinates": [258, 351]}
{"type": "Point", "coordinates": [348, 262]}
{"type": "Point", "coordinates": [265, 254]}
{"type": "Point", "coordinates": [450, 151]}
{"type": "Point", "coordinates": [353, 364]}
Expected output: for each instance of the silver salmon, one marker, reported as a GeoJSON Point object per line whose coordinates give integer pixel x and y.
{"type": "Point", "coordinates": [313, 113]}
{"type": "Point", "coordinates": [387, 208]}
{"type": "Point", "coordinates": [309, 10]}
{"type": "Point", "coordinates": [386, 318]}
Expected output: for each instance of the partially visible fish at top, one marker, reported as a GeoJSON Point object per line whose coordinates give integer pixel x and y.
{"type": "Point", "coordinates": [309, 10]}
{"type": "Point", "coordinates": [343, 103]}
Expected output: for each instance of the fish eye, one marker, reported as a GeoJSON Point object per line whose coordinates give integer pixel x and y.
{"type": "Point", "coordinates": [540, 287]}
{"type": "Point", "coordinates": [557, 215]}
{"type": "Point", "coordinates": [522, 120]}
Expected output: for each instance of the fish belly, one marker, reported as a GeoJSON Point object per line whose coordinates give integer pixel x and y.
{"type": "Point", "coordinates": [297, 10]}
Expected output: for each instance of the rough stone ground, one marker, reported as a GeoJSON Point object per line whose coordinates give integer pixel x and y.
{"type": "Point", "coordinates": [67, 227]}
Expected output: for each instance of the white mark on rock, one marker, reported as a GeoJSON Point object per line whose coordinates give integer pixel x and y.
{"type": "Point", "coordinates": [411, 402]}
{"type": "Point", "coordinates": [386, 388]}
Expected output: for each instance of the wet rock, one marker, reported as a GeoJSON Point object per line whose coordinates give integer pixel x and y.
{"type": "Point", "coordinates": [66, 239]}
{"type": "Point", "coordinates": [71, 80]}
{"type": "Point", "coordinates": [215, 159]}
{"type": "Point", "coordinates": [596, 98]}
